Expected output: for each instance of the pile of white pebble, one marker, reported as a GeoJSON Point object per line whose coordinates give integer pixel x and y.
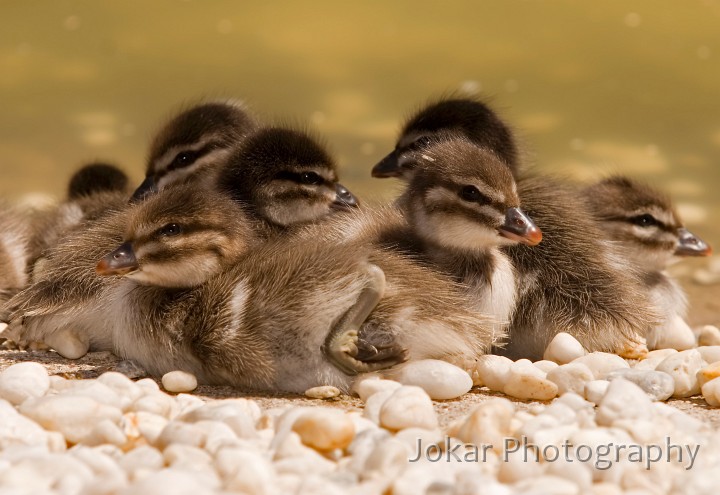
{"type": "Point", "coordinates": [608, 432]}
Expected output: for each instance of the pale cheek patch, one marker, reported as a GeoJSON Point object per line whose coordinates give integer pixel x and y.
{"type": "Point", "coordinates": [297, 211]}
{"type": "Point", "coordinates": [456, 232]}
{"type": "Point", "coordinates": [190, 272]}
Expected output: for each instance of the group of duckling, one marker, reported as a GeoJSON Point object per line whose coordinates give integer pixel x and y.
{"type": "Point", "coordinates": [243, 260]}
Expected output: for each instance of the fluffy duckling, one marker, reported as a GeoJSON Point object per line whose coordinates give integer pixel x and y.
{"type": "Point", "coordinates": [652, 235]}
{"type": "Point", "coordinates": [284, 178]}
{"type": "Point", "coordinates": [467, 117]}
{"type": "Point", "coordinates": [195, 144]}
{"type": "Point", "coordinates": [93, 190]}
{"type": "Point", "coordinates": [15, 252]}
{"type": "Point", "coordinates": [463, 206]}
{"type": "Point", "coordinates": [70, 284]}
{"type": "Point", "coordinates": [192, 146]}
{"type": "Point", "coordinates": [266, 316]}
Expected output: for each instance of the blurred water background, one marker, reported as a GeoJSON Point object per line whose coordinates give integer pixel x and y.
{"type": "Point", "coordinates": [591, 87]}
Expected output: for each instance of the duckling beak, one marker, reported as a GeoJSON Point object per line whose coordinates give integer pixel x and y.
{"type": "Point", "coordinates": [519, 227]}
{"type": "Point", "coordinates": [344, 199]}
{"type": "Point", "coordinates": [387, 167]}
{"type": "Point", "coordinates": [691, 245]}
{"type": "Point", "coordinates": [145, 189]}
{"type": "Point", "coordinates": [120, 262]}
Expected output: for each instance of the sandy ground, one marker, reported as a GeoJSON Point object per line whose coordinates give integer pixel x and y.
{"type": "Point", "coordinates": [705, 309]}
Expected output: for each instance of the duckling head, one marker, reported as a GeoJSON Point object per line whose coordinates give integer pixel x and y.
{"type": "Point", "coordinates": [643, 220]}
{"type": "Point", "coordinates": [96, 178]}
{"type": "Point", "coordinates": [464, 197]}
{"type": "Point", "coordinates": [465, 117]}
{"type": "Point", "coordinates": [179, 238]}
{"type": "Point", "coordinates": [285, 177]}
{"type": "Point", "coordinates": [196, 141]}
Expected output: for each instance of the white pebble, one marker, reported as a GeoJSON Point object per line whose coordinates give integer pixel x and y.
{"type": "Point", "coordinates": [623, 400]}
{"type": "Point", "coordinates": [441, 380]}
{"type": "Point", "coordinates": [488, 424]}
{"type": "Point", "coordinates": [174, 481]}
{"type": "Point", "coordinates": [673, 334]}
{"type": "Point", "coordinates": [408, 407]}
{"type": "Point", "coordinates": [16, 429]}
{"type": "Point", "coordinates": [602, 363]}
{"type": "Point", "coordinates": [683, 368]}
{"type": "Point", "coordinates": [711, 392]}
{"type": "Point", "coordinates": [570, 377]}
{"type": "Point", "coordinates": [246, 472]}
{"type": "Point", "coordinates": [22, 381]}
{"type": "Point", "coordinates": [708, 373]}
{"type": "Point", "coordinates": [493, 371]}
{"type": "Point", "coordinates": [595, 390]}
{"type": "Point", "coordinates": [324, 428]}
{"type": "Point", "coordinates": [545, 366]}
{"type": "Point", "coordinates": [657, 385]}
{"type": "Point", "coordinates": [710, 353]}
{"type": "Point", "coordinates": [322, 392]}
{"type": "Point", "coordinates": [142, 458]}
{"type": "Point", "coordinates": [369, 384]}
{"type": "Point", "coordinates": [176, 432]}
{"type": "Point", "coordinates": [564, 348]}
{"type": "Point", "coordinates": [179, 381]}
{"type": "Point", "coordinates": [73, 416]}
{"type": "Point", "coordinates": [708, 335]}
{"type": "Point", "coordinates": [528, 382]}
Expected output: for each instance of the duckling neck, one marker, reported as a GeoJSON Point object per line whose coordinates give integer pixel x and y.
{"type": "Point", "coordinates": [488, 275]}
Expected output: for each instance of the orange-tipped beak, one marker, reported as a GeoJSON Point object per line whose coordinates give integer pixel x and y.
{"type": "Point", "coordinates": [691, 245]}
{"type": "Point", "coordinates": [520, 228]}
{"type": "Point", "coordinates": [119, 262]}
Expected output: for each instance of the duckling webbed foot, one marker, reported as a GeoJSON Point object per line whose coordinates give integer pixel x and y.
{"type": "Point", "coordinates": [344, 348]}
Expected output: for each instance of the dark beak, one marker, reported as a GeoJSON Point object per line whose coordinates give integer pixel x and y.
{"type": "Point", "coordinates": [145, 189]}
{"type": "Point", "coordinates": [519, 227]}
{"type": "Point", "coordinates": [691, 245]}
{"type": "Point", "coordinates": [344, 199]}
{"type": "Point", "coordinates": [387, 167]}
{"type": "Point", "coordinates": [120, 262]}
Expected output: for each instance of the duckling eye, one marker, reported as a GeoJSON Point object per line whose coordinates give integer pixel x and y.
{"type": "Point", "coordinates": [645, 220]}
{"type": "Point", "coordinates": [183, 159]}
{"type": "Point", "coordinates": [311, 178]}
{"type": "Point", "coordinates": [472, 194]}
{"type": "Point", "coordinates": [421, 142]}
{"type": "Point", "coordinates": [170, 230]}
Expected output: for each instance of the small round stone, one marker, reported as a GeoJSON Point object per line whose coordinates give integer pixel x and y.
{"type": "Point", "coordinates": [22, 381]}
{"type": "Point", "coordinates": [624, 400]}
{"type": "Point", "coordinates": [324, 428]}
{"type": "Point", "coordinates": [674, 334]}
{"type": "Point", "coordinates": [529, 383]}
{"type": "Point", "coordinates": [493, 371]}
{"type": "Point", "coordinates": [711, 392]}
{"type": "Point", "coordinates": [323, 392]}
{"type": "Point", "coordinates": [570, 377]}
{"type": "Point", "coordinates": [683, 368]}
{"type": "Point", "coordinates": [563, 348]}
{"type": "Point", "coordinates": [179, 382]}
{"type": "Point", "coordinates": [709, 335]}
{"type": "Point", "coordinates": [602, 363]}
{"type": "Point", "coordinates": [710, 353]}
{"type": "Point", "coordinates": [439, 379]}
{"type": "Point", "coordinates": [408, 407]}
{"type": "Point", "coordinates": [657, 385]}
{"type": "Point", "coordinates": [595, 390]}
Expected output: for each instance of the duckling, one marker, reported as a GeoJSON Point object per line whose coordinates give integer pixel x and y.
{"type": "Point", "coordinates": [191, 147]}
{"type": "Point", "coordinates": [652, 235]}
{"type": "Point", "coordinates": [92, 191]}
{"type": "Point", "coordinates": [15, 253]}
{"type": "Point", "coordinates": [463, 206]}
{"type": "Point", "coordinates": [70, 284]}
{"type": "Point", "coordinates": [285, 178]}
{"type": "Point", "coordinates": [466, 117]}
{"type": "Point", "coordinates": [195, 144]}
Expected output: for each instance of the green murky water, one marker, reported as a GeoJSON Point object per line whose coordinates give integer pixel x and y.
{"type": "Point", "coordinates": [591, 87]}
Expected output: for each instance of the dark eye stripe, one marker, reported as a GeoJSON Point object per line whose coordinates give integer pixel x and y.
{"type": "Point", "coordinates": [295, 177]}
{"type": "Point", "coordinates": [632, 221]}
{"type": "Point", "coordinates": [195, 155]}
